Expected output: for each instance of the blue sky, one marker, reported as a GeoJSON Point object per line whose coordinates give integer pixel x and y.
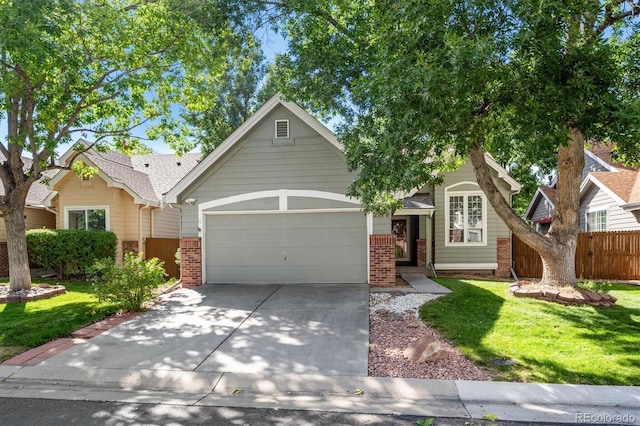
{"type": "Point", "coordinates": [272, 44]}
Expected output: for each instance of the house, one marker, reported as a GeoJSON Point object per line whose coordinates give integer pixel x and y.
{"type": "Point", "coordinates": [125, 196]}
{"type": "Point", "coordinates": [609, 196]}
{"type": "Point", "coordinates": [269, 206]}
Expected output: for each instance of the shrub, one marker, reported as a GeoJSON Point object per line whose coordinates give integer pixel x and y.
{"type": "Point", "coordinates": [178, 257]}
{"type": "Point", "coordinates": [69, 251]}
{"type": "Point", "coordinates": [128, 285]}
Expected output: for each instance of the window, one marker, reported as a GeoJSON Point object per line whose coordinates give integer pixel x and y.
{"type": "Point", "coordinates": [86, 218]}
{"type": "Point", "coordinates": [466, 219]}
{"type": "Point", "coordinates": [597, 221]}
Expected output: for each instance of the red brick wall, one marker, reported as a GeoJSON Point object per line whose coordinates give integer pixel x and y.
{"type": "Point", "coordinates": [4, 260]}
{"type": "Point", "coordinates": [191, 262]}
{"type": "Point", "coordinates": [129, 246]}
{"type": "Point", "coordinates": [382, 260]}
{"type": "Point", "coordinates": [504, 258]}
{"type": "Point", "coordinates": [421, 245]}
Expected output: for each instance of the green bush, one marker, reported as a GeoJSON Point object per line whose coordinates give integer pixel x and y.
{"type": "Point", "coordinates": [69, 251]}
{"type": "Point", "coordinates": [128, 285]}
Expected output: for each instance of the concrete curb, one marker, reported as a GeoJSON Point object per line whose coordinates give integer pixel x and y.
{"type": "Point", "coordinates": [374, 395]}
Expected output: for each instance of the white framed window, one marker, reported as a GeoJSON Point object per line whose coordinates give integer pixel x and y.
{"type": "Point", "coordinates": [465, 218]}
{"type": "Point", "coordinates": [282, 129]}
{"type": "Point", "coordinates": [92, 217]}
{"type": "Point", "coordinates": [597, 220]}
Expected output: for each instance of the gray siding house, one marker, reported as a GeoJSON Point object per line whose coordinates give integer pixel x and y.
{"type": "Point", "coordinates": [609, 196]}
{"type": "Point", "coordinates": [269, 206]}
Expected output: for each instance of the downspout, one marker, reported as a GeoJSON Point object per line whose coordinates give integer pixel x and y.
{"type": "Point", "coordinates": [140, 237]}
{"type": "Point", "coordinates": [173, 206]}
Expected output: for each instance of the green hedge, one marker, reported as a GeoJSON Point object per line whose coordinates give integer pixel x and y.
{"type": "Point", "coordinates": [69, 251]}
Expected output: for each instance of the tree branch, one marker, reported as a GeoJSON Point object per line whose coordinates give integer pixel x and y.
{"type": "Point", "coordinates": [611, 18]}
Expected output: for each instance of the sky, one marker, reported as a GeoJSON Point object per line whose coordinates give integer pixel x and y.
{"type": "Point", "coordinates": [272, 44]}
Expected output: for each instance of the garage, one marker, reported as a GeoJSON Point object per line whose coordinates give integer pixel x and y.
{"type": "Point", "coordinates": [285, 247]}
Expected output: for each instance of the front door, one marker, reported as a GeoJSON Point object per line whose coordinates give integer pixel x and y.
{"type": "Point", "coordinates": [400, 228]}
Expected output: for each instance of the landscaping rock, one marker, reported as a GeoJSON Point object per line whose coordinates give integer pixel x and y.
{"type": "Point", "coordinates": [426, 348]}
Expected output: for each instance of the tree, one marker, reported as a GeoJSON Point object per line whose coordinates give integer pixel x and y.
{"type": "Point", "coordinates": [240, 91]}
{"type": "Point", "coordinates": [98, 67]}
{"type": "Point", "coordinates": [421, 84]}
{"type": "Point", "coordinates": [130, 146]}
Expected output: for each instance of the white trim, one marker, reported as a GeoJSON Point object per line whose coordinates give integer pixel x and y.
{"type": "Point", "coordinates": [414, 212]}
{"type": "Point", "coordinates": [465, 266]}
{"type": "Point", "coordinates": [107, 221]}
{"type": "Point", "coordinates": [502, 173]}
{"type": "Point", "coordinates": [595, 181]}
{"type": "Point", "coordinates": [447, 194]}
{"type": "Point", "coordinates": [600, 161]}
{"type": "Point", "coordinates": [282, 194]}
{"type": "Point", "coordinates": [173, 194]}
{"type": "Point", "coordinates": [596, 210]}
{"type": "Point", "coordinates": [539, 192]}
{"type": "Point", "coordinates": [265, 212]}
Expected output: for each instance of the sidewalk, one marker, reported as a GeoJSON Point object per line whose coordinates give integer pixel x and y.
{"type": "Point", "coordinates": [438, 398]}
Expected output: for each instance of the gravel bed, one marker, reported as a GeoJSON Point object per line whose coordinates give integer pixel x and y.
{"type": "Point", "coordinates": [393, 325]}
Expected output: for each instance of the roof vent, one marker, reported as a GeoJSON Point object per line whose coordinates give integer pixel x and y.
{"type": "Point", "coordinates": [146, 164]}
{"type": "Point", "coordinates": [282, 129]}
{"type": "Point", "coordinates": [178, 163]}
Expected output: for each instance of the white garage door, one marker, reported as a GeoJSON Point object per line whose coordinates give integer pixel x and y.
{"type": "Point", "coordinates": [286, 248]}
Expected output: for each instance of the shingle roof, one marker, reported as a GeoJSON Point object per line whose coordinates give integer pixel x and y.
{"type": "Point", "coordinates": [418, 201]}
{"type": "Point", "coordinates": [38, 191]}
{"type": "Point", "coordinates": [625, 184]}
{"type": "Point", "coordinates": [148, 176]}
{"type": "Point", "coordinates": [550, 193]}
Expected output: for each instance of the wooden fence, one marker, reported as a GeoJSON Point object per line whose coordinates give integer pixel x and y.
{"type": "Point", "coordinates": [165, 250]}
{"type": "Point", "coordinates": [613, 255]}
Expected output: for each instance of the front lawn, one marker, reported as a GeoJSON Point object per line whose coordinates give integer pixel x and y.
{"type": "Point", "coordinates": [27, 325]}
{"type": "Point", "coordinates": [549, 342]}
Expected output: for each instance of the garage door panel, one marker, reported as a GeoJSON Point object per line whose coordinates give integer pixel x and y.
{"type": "Point", "coordinates": [286, 248]}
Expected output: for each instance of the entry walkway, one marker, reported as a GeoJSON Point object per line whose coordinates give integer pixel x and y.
{"type": "Point", "coordinates": [422, 284]}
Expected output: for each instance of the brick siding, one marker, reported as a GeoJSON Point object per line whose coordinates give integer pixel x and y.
{"type": "Point", "coordinates": [382, 260]}
{"type": "Point", "coordinates": [191, 262]}
{"type": "Point", "coordinates": [421, 245]}
{"type": "Point", "coordinates": [129, 247]}
{"type": "Point", "coordinates": [504, 258]}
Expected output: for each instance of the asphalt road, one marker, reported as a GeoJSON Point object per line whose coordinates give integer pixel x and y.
{"type": "Point", "coordinates": [45, 412]}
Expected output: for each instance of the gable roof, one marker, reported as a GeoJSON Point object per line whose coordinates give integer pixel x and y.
{"type": "Point", "coordinates": [145, 177]}
{"type": "Point", "coordinates": [38, 191]}
{"type": "Point", "coordinates": [543, 193]}
{"type": "Point", "coordinates": [623, 187]}
{"type": "Point", "coordinates": [173, 194]}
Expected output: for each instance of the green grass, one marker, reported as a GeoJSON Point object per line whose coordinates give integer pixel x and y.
{"type": "Point", "coordinates": [549, 342]}
{"type": "Point", "coordinates": [27, 325]}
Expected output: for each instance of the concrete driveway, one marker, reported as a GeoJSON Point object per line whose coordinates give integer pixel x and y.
{"type": "Point", "coordinates": [295, 328]}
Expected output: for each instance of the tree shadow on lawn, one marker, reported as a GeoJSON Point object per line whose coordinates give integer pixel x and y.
{"type": "Point", "coordinates": [27, 328]}
{"type": "Point", "coordinates": [466, 330]}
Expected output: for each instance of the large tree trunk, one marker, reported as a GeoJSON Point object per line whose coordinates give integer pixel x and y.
{"type": "Point", "coordinates": [14, 220]}
{"type": "Point", "coordinates": [19, 274]}
{"type": "Point", "coordinates": [558, 248]}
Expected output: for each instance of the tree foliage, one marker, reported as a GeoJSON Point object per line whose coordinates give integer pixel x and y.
{"type": "Point", "coordinates": [240, 90]}
{"type": "Point", "coordinates": [423, 84]}
{"type": "Point", "coordinates": [101, 68]}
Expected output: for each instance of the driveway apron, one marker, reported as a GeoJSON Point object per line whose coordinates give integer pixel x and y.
{"type": "Point", "coordinates": [295, 328]}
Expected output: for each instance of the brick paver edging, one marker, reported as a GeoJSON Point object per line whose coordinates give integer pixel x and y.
{"type": "Point", "coordinates": [42, 291]}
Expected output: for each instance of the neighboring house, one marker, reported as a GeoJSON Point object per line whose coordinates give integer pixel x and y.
{"type": "Point", "coordinates": [269, 206]}
{"type": "Point", "coordinates": [125, 196]}
{"type": "Point", "coordinates": [609, 196]}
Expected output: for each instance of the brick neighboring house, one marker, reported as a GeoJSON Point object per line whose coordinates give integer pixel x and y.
{"type": "Point", "coordinates": [269, 206]}
{"type": "Point", "coordinates": [609, 196]}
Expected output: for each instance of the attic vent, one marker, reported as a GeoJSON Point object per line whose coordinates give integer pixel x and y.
{"type": "Point", "coordinates": [282, 129]}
